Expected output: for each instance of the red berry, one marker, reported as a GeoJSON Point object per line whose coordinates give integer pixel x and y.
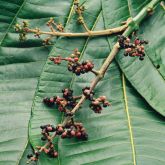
{"type": "Point", "coordinates": [55, 154]}
{"type": "Point", "coordinates": [78, 69]}
{"type": "Point", "coordinates": [89, 65]}
{"type": "Point", "coordinates": [136, 41]}
{"type": "Point", "coordinates": [133, 54]}
{"type": "Point", "coordinates": [106, 103]}
{"type": "Point", "coordinates": [57, 61]}
{"type": "Point", "coordinates": [128, 50]}
{"type": "Point", "coordinates": [51, 100]}
{"type": "Point", "coordinates": [95, 102]}
{"type": "Point", "coordinates": [137, 54]}
{"type": "Point", "coordinates": [73, 133]}
{"type": "Point", "coordinates": [46, 150]}
{"type": "Point", "coordinates": [64, 134]}
{"type": "Point", "coordinates": [49, 128]}
{"type": "Point", "coordinates": [87, 91]}
{"type": "Point", "coordinates": [78, 134]}
{"type": "Point", "coordinates": [76, 59]}
{"type": "Point", "coordinates": [69, 59]}
{"type": "Point", "coordinates": [60, 129]}
{"type": "Point", "coordinates": [86, 67]}
{"type": "Point", "coordinates": [127, 40]}
{"type": "Point", "coordinates": [103, 98]}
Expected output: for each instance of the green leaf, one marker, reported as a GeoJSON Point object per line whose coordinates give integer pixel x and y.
{"type": "Point", "coordinates": [147, 76]}
{"type": "Point", "coordinates": [27, 151]}
{"type": "Point", "coordinates": [128, 133]}
{"type": "Point", "coordinates": [21, 64]}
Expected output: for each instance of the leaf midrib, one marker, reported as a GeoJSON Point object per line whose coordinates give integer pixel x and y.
{"type": "Point", "coordinates": [129, 120]}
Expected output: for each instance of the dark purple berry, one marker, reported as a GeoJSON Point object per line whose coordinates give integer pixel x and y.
{"type": "Point", "coordinates": [29, 156]}
{"type": "Point", "coordinates": [43, 138]}
{"type": "Point", "coordinates": [141, 58]}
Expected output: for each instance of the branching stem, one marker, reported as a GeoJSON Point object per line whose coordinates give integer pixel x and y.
{"type": "Point", "coordinates": [84, 34]}
{"type": "Point", "coordinates": [100, 74]}
{"type": "Point", "coordinates": [129, 28]}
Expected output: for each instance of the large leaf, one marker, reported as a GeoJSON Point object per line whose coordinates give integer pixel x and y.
{"type": "Point", "coordinates": [148, 76]}
{"type": "Point", "coordinates": [20, 65]}
{"type": "Point", "coordinates": [129, 132]}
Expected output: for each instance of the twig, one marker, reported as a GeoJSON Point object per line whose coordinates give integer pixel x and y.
{"type": "Point", "coordinates": [162, 4]}
{"type": "Point", "coordinates": [85, 34]}
{"type": "Point", "coordinates": [79, 10]}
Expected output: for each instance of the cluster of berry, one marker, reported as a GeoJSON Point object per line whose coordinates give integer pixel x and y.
{"type": "Point", "coordinates": [89, 94]}
{"type": "Point", "coordinates": [73, 64]}
{"type": "Point", "coordinates": [34, 157]}
{"type": "Point", "coordinates": [132, 49]}
{"type": "Point", "coordinates": [46, 129]}
{"type": "Point", "coordinates": [50, 151]}
{"type": "Point", "coordinates": [80, 68]}
{"type": "Point", "coordinates": [68, 102]}
{"type": "Point", "coordinates": [73, 58]}
{"type": "Point", "coordinates": [95, 103]}
{"type": "Point", "coordinates": [68, 131]}
{"type": "Point", "coordinates": [75, 130]}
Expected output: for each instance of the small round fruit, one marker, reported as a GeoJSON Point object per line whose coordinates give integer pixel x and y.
{"type": "Point", "coordinates": [76, 59]}
{"type": "Point", "coordinates": [29, 156]}
{"type": "Point", "coordinates": [95, 102]}
{"type": "Point", "coordinates": [55, 154]}
{"type": "Point", "coordinates": [128, 50]}
{"type": "Point", "coordinates": [64, 135]}
{"type": "Point", "coordinates": [133, 54]}
{"type": "Point", "coordinates": [43, 138]}
{"type": "Point", "coordinates": [141, 58]}
{"type": "Point", "coordinates": [73, 133]}
{"type": "Point", "coordinates": [69, 59]}
{"type": "Point", "coordinates": [60, 129]}
{"type": "Point", "coordinates": [51, 100]}
{"type": "Point", "coordinates": [49, 129]}
{"type": "Point", "coordinates": [78, 134]}
{"type": "Point", "coordinates": [128, 40]}
{"type": "Point", "coordinates": [136, 41]}
{"type": "Point", "coordinates": [103, 98]}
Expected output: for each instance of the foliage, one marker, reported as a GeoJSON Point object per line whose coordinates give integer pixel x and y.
{"type": "Point", "coordinates": [129, 132]}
